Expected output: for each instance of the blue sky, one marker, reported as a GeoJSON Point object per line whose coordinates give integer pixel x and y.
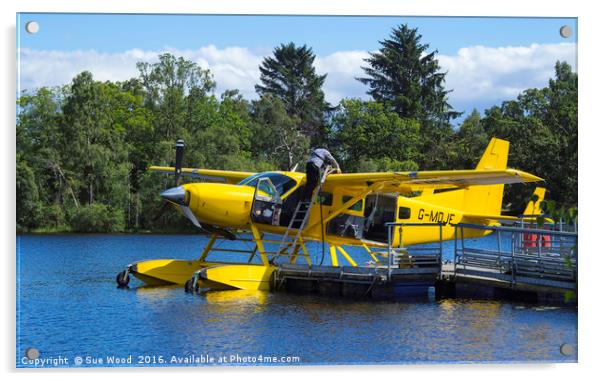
{"type": "Point", "coordinates": [98, 42]}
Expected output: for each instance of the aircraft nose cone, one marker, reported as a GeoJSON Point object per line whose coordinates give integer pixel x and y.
{"type": "Point", "coordinates": [176, 195]}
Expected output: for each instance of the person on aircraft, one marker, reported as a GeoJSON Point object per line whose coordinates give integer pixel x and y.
{"type": "Point", "coordinates": [318, 160]}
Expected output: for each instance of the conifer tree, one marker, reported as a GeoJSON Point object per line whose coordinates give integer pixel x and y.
{"type": "Point", "coordinates": [290, 76]}
{"type": "Point", "coordinates": [407, 79]}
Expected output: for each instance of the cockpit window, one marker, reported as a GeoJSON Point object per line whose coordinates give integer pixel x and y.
{"type": "Point", "coordinates": [282, 182]}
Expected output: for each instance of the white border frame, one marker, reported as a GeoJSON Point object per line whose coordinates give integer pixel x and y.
{"type": "Point", "coordinates": [589, 58]}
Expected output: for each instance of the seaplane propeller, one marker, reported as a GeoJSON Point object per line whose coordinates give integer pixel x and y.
{"type": "Point", "coordinates": [178, 196]}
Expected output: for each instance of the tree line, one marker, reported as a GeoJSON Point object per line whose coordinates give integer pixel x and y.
{"type": "Point", "coordinates": [83, 149]}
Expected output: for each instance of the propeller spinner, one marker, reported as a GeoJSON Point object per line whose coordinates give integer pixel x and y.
{"type": "Point", "coordinates": [178, 195]}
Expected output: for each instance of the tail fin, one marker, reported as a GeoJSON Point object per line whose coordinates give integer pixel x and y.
{"type": "Point", "coordinates": [495, 155]}
{"type": "Point", "coordinates": [533, 207]}
{"type": "Point", "coordinates": [487, 199]}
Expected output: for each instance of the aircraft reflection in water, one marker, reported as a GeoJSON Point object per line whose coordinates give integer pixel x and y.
{"type": "Point", "coordinates": [349, 209]}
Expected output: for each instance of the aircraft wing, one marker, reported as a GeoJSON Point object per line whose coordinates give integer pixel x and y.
{"type": "Point", "coordinates": [427, 179]}
{"type": "Point", "coordinates": [207, 175]}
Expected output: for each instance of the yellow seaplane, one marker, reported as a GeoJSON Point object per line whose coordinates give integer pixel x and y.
{"type": "Point", "coordinates": [348, 209]}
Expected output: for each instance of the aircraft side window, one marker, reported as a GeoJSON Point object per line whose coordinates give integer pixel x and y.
{"type": "Point", "coordinates": [404, 213]}
{"type": "Point", "coordinates": [282, 182]}
{"type": "Point", "coordinates": [325, 198]}
{"type": "Point", "coordinates": [266, 191]}
{"type": "Point", "coordinates": [356, 207]}
{"type": "Point", "coordinates": [252, 182]}
{"type": "Point", "coordinates": [264, 186]}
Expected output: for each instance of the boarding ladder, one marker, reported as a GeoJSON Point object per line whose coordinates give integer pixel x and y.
{"type": "Point", "coordinates": [301, 217]}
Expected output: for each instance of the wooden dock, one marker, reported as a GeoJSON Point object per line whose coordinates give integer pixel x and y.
{"type": "Point", "coordinates": [539, 265]}
{"type": "Point", "coordinates": [355, 281]}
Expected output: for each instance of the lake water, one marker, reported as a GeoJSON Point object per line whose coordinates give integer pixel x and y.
{"type": "Point", "coordinates": [68, 308]}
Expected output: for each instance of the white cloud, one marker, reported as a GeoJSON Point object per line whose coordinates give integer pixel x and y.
{"type": "Point", "coordinates": [476, 74]}
{"type": "Point", "coordinates": [232, 67]}
{"type": "Point", "coordinates": [342, 69]}
{"type": "Point", "coordinates": [481, 73]}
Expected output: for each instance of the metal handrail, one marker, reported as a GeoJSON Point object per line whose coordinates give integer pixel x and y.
{"type": "Point", "coordinates": [391, 225]}
{"type": "Point", "coordinates": [539, 261]}
{"type": "Point", "coordinates": [560, 224]}
{"type": "Point", "coordinates": [519, 230]}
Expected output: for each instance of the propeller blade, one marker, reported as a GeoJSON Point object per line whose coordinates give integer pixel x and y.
{"type": "Point", "coordinates": [179, 158]}
{"type": "Point", "coordinates": [188, 213]}
{"type": "Point", "coordinates": [208, 228]}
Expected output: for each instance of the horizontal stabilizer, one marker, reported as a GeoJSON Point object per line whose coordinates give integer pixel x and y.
{"type": "Point", "coordinates": [534, 205]}
{"type": "Point", "coordinates": [502, 217]}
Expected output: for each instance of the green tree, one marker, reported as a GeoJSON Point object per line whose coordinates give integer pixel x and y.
{"type": "Point", "coordinates": [368, 132]}
{"type": "Point", "coordinates": [93, 138]}
{"type": "Point", "coordinates": [408, 80]}
{"type": "Point", "coordinates": [170, 85]}
{"type": "Point", "coordinates": [275, 135]}
{"type": "Point", "coordinates": [29, 206]}
{"type": "Point", "coordinates": [38, 140]}
{"type": "Point", "coordinates": [98, 218]}
{"type": "Point", "coordinates": [541, 125]}
{"type": "Point", "coordinates": [291, 76]}
{"type": "Point", "coordinates": [225, 141]}
{"type": "Point", "coordinates": [468, 144]}
{"type": "Point", "coordinates": [563, 119]}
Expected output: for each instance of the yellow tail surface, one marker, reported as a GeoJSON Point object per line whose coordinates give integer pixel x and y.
{"type": "Point", "coordinates": [487, 199]}
{"type": "Point", "coordinates": [534, 206]}
{"type": "Point", "coordinates": [476, 200]}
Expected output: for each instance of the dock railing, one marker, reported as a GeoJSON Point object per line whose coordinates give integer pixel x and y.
{"type": "Point", "coordinates": [530, 220]}
{"type": "Point", "coordinates": [519, 251]}
{"type": "Point", "coordinates": [399, 256]}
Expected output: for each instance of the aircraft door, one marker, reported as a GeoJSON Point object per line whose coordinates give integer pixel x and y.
{"type": "Point", "coordinates": [380, 209]}
{"type": "Point", "coordinates": [267, 204]}
{"type": "Point", "coordinates": [350, 223]}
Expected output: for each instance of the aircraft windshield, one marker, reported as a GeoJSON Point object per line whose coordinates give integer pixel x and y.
{"type": "Point", "coordinates": [282, 182]}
